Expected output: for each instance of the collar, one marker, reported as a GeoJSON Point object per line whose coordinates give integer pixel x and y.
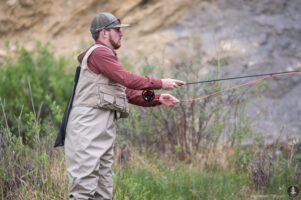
{"type": "Point", "coordinates": [98, 42]}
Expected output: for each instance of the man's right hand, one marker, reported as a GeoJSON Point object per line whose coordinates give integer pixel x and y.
{"type": "Point", "coordinates": [169, 84]}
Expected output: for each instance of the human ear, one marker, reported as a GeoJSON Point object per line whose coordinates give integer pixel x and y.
{"type": "Point", "coordinates": [105, 33]}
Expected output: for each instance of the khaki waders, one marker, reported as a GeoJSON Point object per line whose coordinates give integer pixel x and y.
{"type": "Point", "coordinates": [89, 153]}
{"type": "Point", "coordinates": [90, 134]}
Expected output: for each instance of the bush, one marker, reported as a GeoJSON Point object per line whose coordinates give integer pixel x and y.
{"type": "Point", "coordinates": [35, 170]}
{"type": "Point", "coordinates": [34, 87]}
{"type": "Point", "coordinates": [32, 81]}
{"type": "Point", "coordinates": [191, 126]}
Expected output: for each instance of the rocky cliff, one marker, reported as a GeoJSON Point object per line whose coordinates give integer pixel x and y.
{"type": "Point", "coordinates": [66, 23]}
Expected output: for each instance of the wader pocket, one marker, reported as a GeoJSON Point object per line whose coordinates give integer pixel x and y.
{"type": "Point", "coordinates": [120, 103]}
{"type": "Point", "coordinates": [109, 98]}
{"type": "Point", "coordinates": [111, 102]}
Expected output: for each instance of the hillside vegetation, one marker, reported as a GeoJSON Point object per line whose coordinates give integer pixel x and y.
{"type": "Point", "coordinates": [160, 153]}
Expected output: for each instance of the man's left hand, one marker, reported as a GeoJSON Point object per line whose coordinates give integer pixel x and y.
{"type": "Point", "coordinates": [168, 100]}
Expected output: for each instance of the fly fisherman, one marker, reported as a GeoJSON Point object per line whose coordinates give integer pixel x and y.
{"type": "Point", "coordinates": [103, 91]}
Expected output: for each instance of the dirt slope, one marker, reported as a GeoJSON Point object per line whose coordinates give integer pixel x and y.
{"type": "Point", "coordinates": [66, 23]}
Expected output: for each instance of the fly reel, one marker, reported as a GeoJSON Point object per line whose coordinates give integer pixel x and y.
{"type": "Point", "coordinates": [148, 95]}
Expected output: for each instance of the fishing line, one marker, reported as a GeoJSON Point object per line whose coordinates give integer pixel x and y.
{"type": "Point", "coordinates": [149, 95]}
{"type": "Point", "coordinates": [240, 85]}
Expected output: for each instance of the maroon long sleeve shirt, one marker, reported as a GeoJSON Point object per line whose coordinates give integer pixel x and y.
{"type": "Point", "coordinates": [103, 61]}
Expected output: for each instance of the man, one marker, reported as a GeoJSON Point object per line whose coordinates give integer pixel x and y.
{"type": "Point", "coordinates": [102, 95]}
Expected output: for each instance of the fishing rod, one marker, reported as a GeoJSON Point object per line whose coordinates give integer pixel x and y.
{"type": "Point", "coordinates": [240, 77]}
{"type": "Point", "coordinates": [149, 95]}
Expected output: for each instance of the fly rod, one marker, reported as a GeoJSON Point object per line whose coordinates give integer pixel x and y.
{"type": "Point", "coordinates": [240, 77]}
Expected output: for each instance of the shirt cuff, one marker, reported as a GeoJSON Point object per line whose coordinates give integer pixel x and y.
{"type": "Point", "coordinates": [156, 83]}
{"type": "Point", "coordinates": [157, 97]}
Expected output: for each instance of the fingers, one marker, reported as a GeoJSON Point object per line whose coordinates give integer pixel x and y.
{"type": "Point", "coordinates": [168, 100]}
{"type": "Point", "coordinates": [178, 82]}
{"type": "Point", "coordinates": [175, 85]}
{"type": "Point", "coordinates": [173, 101]}
{"type": "Point", "coordinates": [169, 84]}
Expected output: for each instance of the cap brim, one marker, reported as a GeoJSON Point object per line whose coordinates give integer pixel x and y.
{"type": "Point", "coordinates": [120, 26]}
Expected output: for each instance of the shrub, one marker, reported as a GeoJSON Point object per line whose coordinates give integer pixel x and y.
{"type": "Point", "coordinates": [31, 81]}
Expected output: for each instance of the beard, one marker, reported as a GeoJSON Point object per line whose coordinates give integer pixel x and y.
{"type": "Point", "coordinates": [114, 44]}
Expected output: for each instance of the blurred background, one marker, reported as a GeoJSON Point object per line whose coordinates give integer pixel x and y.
{"type": "Point", "coordinates": [245, 142]}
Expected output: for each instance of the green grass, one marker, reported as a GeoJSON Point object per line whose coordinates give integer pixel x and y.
{"type": "Point", "coordinates": [177, 183]}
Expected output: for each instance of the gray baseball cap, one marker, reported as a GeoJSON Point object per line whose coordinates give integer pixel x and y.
{"type": "Point", "coordinates": [105, 20]}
